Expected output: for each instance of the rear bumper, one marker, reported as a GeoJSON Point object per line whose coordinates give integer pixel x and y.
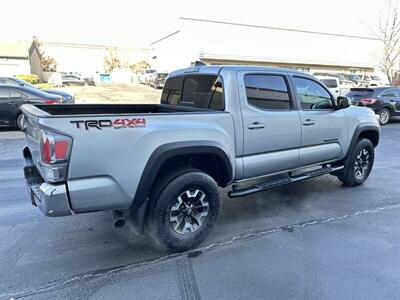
{"type": "Point", "coordinates": [51, 199]}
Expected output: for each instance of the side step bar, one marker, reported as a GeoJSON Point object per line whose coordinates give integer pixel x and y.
{"type": "Point", "coordinates": [279, 181]}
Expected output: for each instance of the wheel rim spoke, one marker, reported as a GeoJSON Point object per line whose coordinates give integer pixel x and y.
{"type": "Point", "coordinates": [189, 212]}
{"type": "Point", "coordinates": [361, 163]}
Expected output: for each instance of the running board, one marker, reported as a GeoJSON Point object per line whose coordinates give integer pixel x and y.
{"type": "Point", "coordinates": [279, 181]}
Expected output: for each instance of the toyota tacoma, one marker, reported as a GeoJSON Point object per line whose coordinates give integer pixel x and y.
{"type": "Point", "coordinates": [158, 167]}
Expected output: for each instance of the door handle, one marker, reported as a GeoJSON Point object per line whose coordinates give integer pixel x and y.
{"type": "Point", "coordinates": [308, 122]}
{"type": "Point", "coordinates": [256, 125]}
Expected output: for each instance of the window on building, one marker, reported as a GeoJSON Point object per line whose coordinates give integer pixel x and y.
{"type": "Point", "coordinates": [201, 91]}
{"type": "Point", "coordinates": [267, 91]}
{"type": "Point", "coordinates": [312, 95]}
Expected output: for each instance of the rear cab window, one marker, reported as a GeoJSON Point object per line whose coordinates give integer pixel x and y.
{"type": "Point", "coordinates": [198, 91]}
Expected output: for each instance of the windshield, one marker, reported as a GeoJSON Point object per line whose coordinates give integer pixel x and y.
{"type": "Point", "coordinates": [354, 77]}
{"type": "Point", "coordinates": [162, 75]}
{"type": "Point", "coordinates": [360, 93]}
{"type": "Point", "coordinates": [375, 78]}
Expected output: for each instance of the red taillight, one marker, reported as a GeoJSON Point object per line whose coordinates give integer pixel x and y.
{"type": "Point", "coordinates": [46, 150]}
{"type": "Point", "coordinates": [61, 149]}
{"type": "Point", "coordinates": [51, 102]}
{"type": "Point", "coordinates": [368, 101]}
{"type": "Point", "coordinates": [54, 148]}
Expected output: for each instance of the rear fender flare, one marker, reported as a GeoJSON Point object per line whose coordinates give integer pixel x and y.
{"type": "Point", "coordinates": [164, 152]}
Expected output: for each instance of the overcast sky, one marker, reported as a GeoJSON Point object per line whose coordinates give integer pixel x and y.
{"type": "Point", "coordinates": [136, 23]}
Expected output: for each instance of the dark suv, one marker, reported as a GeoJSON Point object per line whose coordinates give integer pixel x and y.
{"type": "Point", "coordinates": [384, 101]}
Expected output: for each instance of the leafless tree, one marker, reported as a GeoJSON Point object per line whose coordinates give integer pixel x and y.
{"type": "Point", "coordinates": [389, 34]}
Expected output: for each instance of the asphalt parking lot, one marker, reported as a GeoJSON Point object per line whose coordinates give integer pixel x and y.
{"type": "Point", "coordinates": [115, 93]}
{"type": "Point", "coordinates": [311, 240]}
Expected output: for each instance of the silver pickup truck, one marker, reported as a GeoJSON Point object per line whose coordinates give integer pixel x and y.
{"type": "Point", "coordinates": [158, 167]}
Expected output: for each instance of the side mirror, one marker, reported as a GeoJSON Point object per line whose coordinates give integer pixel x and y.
{"type": "Point", "coordinates": [342, 102]}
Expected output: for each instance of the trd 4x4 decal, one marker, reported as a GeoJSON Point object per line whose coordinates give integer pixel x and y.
{"type": "Point", "coordinates": [116, 124]}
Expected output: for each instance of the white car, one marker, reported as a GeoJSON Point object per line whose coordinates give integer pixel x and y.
{"type": "Point", "coordinates": [372, 80]}
{"type": "Point", "coordinates": [145, 75]}
{"type": "Point", "coordinates": [333, 83]}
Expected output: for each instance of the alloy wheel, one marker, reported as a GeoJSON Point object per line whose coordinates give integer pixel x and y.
{"type": "Point", "coordinates": [384, 116]}
{"type": "Point", "coordinates": [361, 164]}
{"type": "Point", "coordinates": [189, 211]}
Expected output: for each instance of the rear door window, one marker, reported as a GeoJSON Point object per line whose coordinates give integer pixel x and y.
{"type": "Point", "coordinates": [267, 91]}
{"type": "Point", "coordinates": [391, 93]}
{"type": "Point", "coordinates": [15, 94]}
{"type": "Point", "coordinates": [200, 91]}
{"type": "Point", "coordinates": [4, 94]}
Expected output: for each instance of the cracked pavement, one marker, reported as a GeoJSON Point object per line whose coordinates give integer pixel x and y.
{"type": "Point", "coordinates": [310, 240]}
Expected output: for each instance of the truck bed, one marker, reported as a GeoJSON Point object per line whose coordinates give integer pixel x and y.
{"type": "Point", "coordinates": [111, 109]}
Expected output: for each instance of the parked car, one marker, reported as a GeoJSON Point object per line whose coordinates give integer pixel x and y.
{"type": "Point", "coordinates": [216, 126]}
{"type": "Point", "coordinates": [158, 80]}
{"type": "Point", "coordinates": [75, 80]}
{"type": "Point", "coordinates": [67, 98]}
{"type": "Point", "coordinates": [345, 83]}
{"type": "Point", "coordinates": [144, 76]}
{"type": "Point", "coordinates": [384, 101]}
{"type": "Point", "coordinates": [372, 80]}
{"type": "Point", "coordinates": [333, 84]}
{"type": "Point", "coordinates": [13, 96]}
{"type": "Point", "coordinates": [353, 77]}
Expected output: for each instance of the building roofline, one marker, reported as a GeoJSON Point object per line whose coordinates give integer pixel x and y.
{"type": "Point", "coordinates": [13, 57]}
{"type": "Point", "coordinates": [165, 37]}
{"type": "Point", "coordinates": [281, 28]}
{"type": "Point", "coordinates": [275, 60]}
{"type": "Point", "coordinates": [92, 46]}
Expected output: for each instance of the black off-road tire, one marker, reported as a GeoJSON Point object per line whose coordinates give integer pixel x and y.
{"type": "Point", "coordinates": [348, 174]}
{"type": "Point", "coordinates": [164, 197]}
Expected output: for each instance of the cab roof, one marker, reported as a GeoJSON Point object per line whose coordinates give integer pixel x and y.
{"type": "Point", "coordinates": [215, 69]}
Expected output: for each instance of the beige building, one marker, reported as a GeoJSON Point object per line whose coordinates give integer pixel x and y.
{"type": "Point", "coordinates": [86, 59]}
{"type": "Point", "coordinates": [217, 42]}
{"type": "Point", "coordinates": [14, 59]}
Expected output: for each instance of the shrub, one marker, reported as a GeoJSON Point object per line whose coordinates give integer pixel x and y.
{"type": "Point", "coordinates": [31, 78]}
{"type": "Point", "coordinates": [44, 85]}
